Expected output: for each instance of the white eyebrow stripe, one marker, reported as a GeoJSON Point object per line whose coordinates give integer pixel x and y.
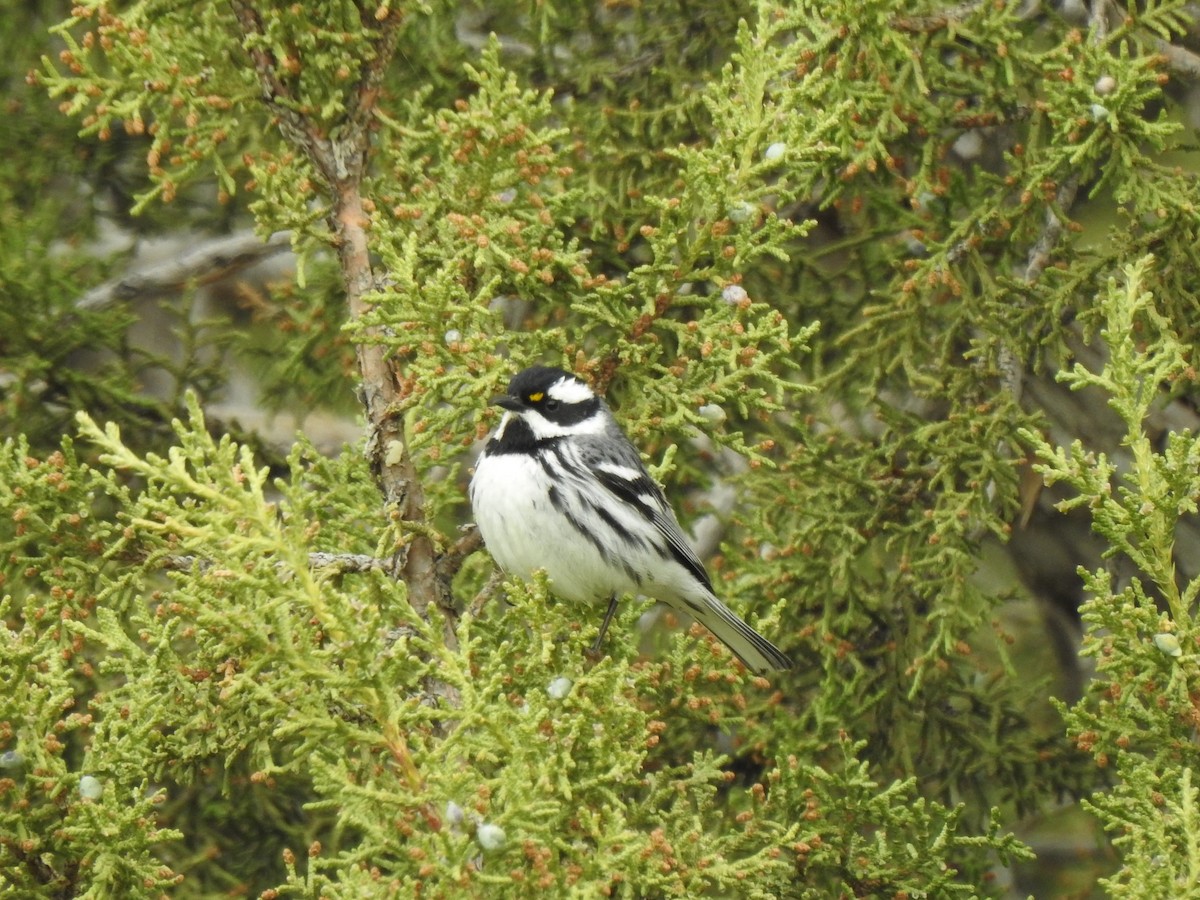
{"type": "Point", "coordinates": [568, 390]}
{"type": "Point", "coordinates": [544, 429]}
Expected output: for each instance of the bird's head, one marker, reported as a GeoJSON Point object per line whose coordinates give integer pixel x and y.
{"type": "Point", "coordinates": [551, 403]}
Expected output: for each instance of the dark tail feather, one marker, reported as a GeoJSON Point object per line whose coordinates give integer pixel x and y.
{"type": "Point", "coordinates": [759, 654]}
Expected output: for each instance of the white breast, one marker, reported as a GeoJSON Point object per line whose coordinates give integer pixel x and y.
{"type": "Point", "coordinates": [524, 531]}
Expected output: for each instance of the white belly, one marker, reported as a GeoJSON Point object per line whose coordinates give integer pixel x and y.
{"type": "Point", "coordinates": [525, 532]}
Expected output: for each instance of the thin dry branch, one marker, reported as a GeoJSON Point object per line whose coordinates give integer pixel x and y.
{"type": "Point", "coordinates": [1012, 371]}
{"type": "Point", "coordinates": [1180, 60]}
{"type": "Point", "coordinates": [453, 558]}
{"type": "Point", "coordinates": [1043, 247]}
{"type": "Point", "coordinates": [937, 20]}
{"type": "Point", "coordinates": [355, 563]}
{"type": "Point", "coordinates": [210, 261]}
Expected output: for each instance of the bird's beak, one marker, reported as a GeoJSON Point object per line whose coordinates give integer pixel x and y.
{"type": "Point", "coordinates": [509, 402]}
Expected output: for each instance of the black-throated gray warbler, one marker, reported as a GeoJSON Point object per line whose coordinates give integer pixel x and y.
{"type": "Point", "coordinates": [559, 487]}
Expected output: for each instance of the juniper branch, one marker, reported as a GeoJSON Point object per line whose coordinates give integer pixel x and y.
{"type": "Point", "coordinates": [340, 158]}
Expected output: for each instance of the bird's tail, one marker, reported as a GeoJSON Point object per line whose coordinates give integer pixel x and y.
{"type": "Point", "coordinates": [759, 654]}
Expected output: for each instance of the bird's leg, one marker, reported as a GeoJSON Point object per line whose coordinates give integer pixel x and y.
{"type": "Point", "coordinates": [608, 615]}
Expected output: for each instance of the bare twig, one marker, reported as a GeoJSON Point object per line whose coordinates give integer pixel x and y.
{"type": "Point", "coordinates": [1012, 372]}
{"type": "Point", "coordinates": [211, 261]}
{"type": "Point", "coordinates": [452, 559]}
{"type": "Point", "coordinates": [1179, 60]}
{"type": "Point", "coordinates": [1098, 20]}
{"type": "Point", "coordinates": [1040, 252]}
{"type": "Point", "coordinates": [485, 593]}
{"type": "Point", "coordinates": [356, 563]}
{"type": "Point", "coordinates": [937, 20]}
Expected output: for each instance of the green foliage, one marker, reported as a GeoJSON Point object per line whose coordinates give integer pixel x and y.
{"type": "Point", "coordinates": [909, 848]}
{"type": "Point", "coordinates": [1140, 717]}
{"type": "Point", "coordinates": [249, 668]}
{"type": "Point", "coordinates": [226, 667]}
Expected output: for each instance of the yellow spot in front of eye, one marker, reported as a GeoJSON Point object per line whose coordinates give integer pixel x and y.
{"type": "Point", "coordinates": [536, 397]}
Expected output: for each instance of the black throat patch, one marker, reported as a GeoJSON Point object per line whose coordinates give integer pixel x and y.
{"type": "Point", "coordinates": [517, 437]}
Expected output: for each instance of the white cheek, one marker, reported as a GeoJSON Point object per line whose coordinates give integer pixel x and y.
{"type": "Point", "coordinates": [543, 429]}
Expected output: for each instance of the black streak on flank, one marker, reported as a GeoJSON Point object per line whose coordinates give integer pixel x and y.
{"type": "Point", "coordinates": [622, 533]}
{"type": "Point", "coordinates": [634, 492]}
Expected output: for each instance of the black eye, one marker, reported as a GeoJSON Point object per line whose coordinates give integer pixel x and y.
{"type": "Point", "coordinates": [551, 404]}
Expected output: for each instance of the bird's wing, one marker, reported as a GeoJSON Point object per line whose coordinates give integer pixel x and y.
{"type": "Point", "coordinates": [617, 466]}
